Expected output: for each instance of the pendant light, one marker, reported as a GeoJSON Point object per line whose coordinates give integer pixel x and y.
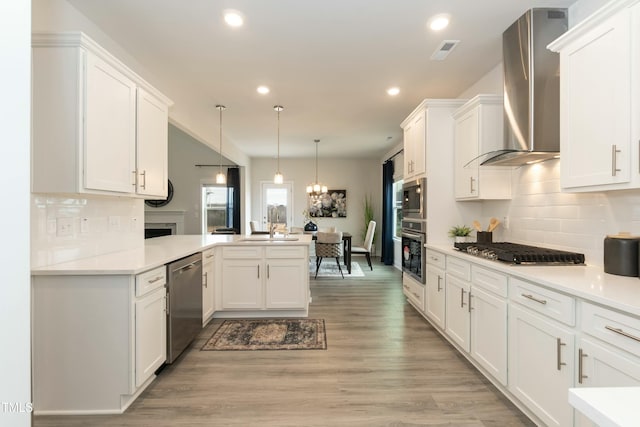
{"type": "Point", "coordinates": [278, 178]}
{"type": "Point", "coordinates": [316, 189]}
{"type": "Point", "coordinates": [221, 178]}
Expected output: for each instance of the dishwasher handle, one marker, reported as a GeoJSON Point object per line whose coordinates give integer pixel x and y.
{"type": "Point", "coordinates": [187, 267]}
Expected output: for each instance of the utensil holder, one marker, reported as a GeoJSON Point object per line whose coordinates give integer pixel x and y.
{"type": "Point", "coordinates": [484, 237]}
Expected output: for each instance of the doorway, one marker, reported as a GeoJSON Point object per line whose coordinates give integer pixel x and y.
{"type": "Point", "coordinates": [276, 205]}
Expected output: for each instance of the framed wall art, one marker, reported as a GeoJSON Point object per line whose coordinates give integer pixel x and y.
{"type": "Point", "coordinates": [332, 204]}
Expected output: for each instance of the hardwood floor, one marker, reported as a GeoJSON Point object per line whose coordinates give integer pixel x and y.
{"type": "Point", "coordinates": [385, 366]}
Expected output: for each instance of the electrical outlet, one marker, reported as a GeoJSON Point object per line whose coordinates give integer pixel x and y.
{"type": "Point", "coordinates": [114, 223]}
{"type": "Point", "coordinates": [134, 223]}
{"type": "Point", "coordinates": [64, 227]}
{"type": "Point", "coordinates": [505, 222]}
{"type": "Point", "coordinates": [84, 225]}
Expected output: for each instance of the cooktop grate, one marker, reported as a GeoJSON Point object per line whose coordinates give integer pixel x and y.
{"type": "Point", "coordinates": [516, 253]}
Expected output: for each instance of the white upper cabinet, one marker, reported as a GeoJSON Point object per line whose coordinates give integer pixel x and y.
{"type": "Point", "coordinates": [414, 145]}
{"type": "Point", "coordinates": [97, 126]}
{"type": "Point", "coordinates": [599, 83]}
{"type": "Point", "coordinates": [478, 130]}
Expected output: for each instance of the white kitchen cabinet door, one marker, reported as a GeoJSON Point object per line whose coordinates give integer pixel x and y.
{"type": "Point", "coordinates": [283, 289]}
{"type": "Point", "coordinates": [151, 334]}
{"type": "Point", "coordinates": [541, 365]}
{"type": "Point", "coordinates": [601, 365]}
{"type": "Point", "coordinates": [151, 145]}
{"type": "Point", "coordinates": [208, 288]}
{"type": "Point", "coordinates": [415, 147]}
{"type": "Point", "coordinates": [479, 130]}
{"type": "Point", "coordinates": [435, 298]}
{"type": "Point", "coordinates": [458, 317]}
{"type": "Point", "coordinates": [109, 128]}
{"type": "Point", "coordinates": [489, 333]}
{"type": "Point", "coordinates": [242, 284]}
{"type": "Point", "coordinates": [596, 112]}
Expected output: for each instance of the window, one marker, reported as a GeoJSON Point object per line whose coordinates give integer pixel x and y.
{"type": "Point", "coordinates": [397, 209]}
{"type": "Point", "coordinates": [216, 212]}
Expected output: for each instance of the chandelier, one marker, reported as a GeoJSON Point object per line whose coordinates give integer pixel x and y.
{"type": "Point", "coordinates": [278, 178]}
{"type": "Point", "coordinates": [316, 189]}
{"type": "Point", "coordinates": [221, 178]}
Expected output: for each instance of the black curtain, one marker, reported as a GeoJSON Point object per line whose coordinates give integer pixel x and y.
{"type": "Point", "coordinates": [387, 213]}
{"type": "Point", "coordinates": [233, 199]}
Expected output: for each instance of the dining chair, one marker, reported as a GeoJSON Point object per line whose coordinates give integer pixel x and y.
{"type": "Point", "coordinates": [328, 245]}
{"type": "Point", "coordinates": [365, 249]}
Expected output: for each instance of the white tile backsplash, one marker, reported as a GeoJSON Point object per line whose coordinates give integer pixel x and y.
{"type": "Point", "coordinates": [99, 225]}
{"type": "Point", "coordinates": [540, 214]}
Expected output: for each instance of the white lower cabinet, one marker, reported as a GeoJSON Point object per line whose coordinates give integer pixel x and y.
{"type": "Point", "coordinates": [151, 334]}
{"type": "Point", "coordinates": [435, 295]}
{"type": "Point", "coordinates": [259, 278]}
{"type": "Point", "coordinates": [414, 291]}
{"type": "Point", "coordinates": [457, 311]}
{"type": "Point", "coordinates": [489, 333]}
{"type": "Point", "coordinates": [208, 291]}
{"type": "Point", "coordinates": [541, 365]}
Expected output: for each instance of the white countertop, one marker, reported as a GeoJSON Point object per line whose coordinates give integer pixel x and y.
{"type": "Point", "coordinates": [159, 251]}
{"type": "Point", "coordinates": [583, 281]}
{"type": "Point", "coordinates": [608, 406]}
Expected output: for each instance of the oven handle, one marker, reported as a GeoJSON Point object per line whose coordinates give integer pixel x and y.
{"type": "Point", "coordinates": [410, 235]}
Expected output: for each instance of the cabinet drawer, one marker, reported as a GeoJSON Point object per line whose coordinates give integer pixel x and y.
{"type": "Point", "coordinates": [459, 268]}
{"type": "Point", "coordinates": [207, 256]}
{"type": "Point", "coordinates": [286, 252]}
{"type": "Point", "coordinates": [150, 280]}
{"type": "Point", "coordinates": [550, 303]}
{"type": "Point", "coordinates": [241, 252]}
{"type": "Point", "coordinates": [436, 258]}
{"type": "Point", "coordinates": [489, 280]}
{"type": "Point", "coordinates": [620, 330]}
{"type": "Point", "coordinates": [414, 291]}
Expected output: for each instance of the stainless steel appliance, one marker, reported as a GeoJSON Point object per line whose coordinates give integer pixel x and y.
{"type": "Point", "coordinates": [515, 253]}
{"type": "Point", "coordinates": [414, 237]}
{"type": "Point", "coordinates": [531, 89]}
{"type": "Point", "coordinates": [414, 199]}
{"type": "Point", "coordinates": [184, 301]}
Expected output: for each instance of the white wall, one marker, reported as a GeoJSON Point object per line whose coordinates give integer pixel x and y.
{"type": "Point", "coordinates": [184, 153]}
{"type": "Point", "coordinates": [15, 357]}
{"type": "Point", "coordinates": [359, 177]}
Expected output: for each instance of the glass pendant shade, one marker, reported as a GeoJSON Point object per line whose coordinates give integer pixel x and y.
{"type": "Point", "coordinates": [278, 178]}
{"type": "Point", "coordinates": [316, 189]}
{"type": "Point", "coordinates": [221, 178]}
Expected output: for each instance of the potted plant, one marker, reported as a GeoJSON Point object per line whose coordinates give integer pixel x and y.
{"type": "Point", "coordinates": [459, 233]}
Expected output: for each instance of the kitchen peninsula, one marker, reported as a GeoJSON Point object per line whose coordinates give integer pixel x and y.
{"type": "Point", "coordinates": [99, 324]}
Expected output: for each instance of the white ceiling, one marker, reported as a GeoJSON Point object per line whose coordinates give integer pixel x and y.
{"type": "Point", "coordinates": [328, 62]}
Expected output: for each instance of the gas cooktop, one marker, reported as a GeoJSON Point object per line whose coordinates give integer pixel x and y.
{"type": "Point", "coordinates": [515, 253]}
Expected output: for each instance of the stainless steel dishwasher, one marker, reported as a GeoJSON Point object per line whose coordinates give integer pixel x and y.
{"type": "Point", "coordinates": [184, 299]}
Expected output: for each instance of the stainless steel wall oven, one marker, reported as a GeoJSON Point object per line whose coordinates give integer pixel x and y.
{"type": "Point", "coordinates": [414, 238]}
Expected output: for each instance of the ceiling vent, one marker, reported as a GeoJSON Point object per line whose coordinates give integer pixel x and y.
{"type": "Point", "coordinates": [444, 49]}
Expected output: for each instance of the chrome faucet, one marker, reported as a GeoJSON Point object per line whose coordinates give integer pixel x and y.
{"type": "Point", "coordinates": [273, 225]}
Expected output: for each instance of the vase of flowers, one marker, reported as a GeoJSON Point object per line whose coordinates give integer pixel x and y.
{"type": "Point", "coordinates": [309, 224]}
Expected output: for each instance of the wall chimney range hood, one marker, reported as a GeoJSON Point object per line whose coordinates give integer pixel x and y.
{"type": "Point", "coordinates": [531, 89]}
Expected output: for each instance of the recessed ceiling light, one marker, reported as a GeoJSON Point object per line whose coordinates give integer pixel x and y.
{"type": "Point", "coordinates": [233, 18]}
{"type": "Point", "coordinates": [393, 91]}
{"type": "Point", "coordinates": [263, 90]}
{"type": "Point", "coordinates": [439, 22]}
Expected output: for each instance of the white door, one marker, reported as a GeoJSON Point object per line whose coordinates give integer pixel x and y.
{"type": "Point", "coordinates": [458, 318]}
{"type": "Point", "coordinates": [152, 145]}
{"type": "Point", "coordinates": [242, 284]}
{"type": "Point", "coordinates": [284, 283]}
{"type": "Point", "coordinates": [151, 334]}
{"type": "Point", "coordinates": [277, 205]}
{"type": "Point", "coordinates": [435, 289]}
{"type": "Point", "coordinates": [489, 333]}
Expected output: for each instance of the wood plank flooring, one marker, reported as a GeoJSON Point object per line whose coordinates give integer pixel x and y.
{"type": "Point", "coordinates": [385, 366]}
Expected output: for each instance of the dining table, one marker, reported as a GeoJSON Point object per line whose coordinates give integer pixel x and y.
{"type": "Point", "coordinates": [346, 240]}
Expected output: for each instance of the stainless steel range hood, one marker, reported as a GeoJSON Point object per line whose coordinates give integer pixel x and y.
{"type": "Point", "coordinates": [531, 89]}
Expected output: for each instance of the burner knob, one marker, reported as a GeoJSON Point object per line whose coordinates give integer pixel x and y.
{"type": "Point", "coordinates": [473, 250]}
{"type": "Point", "coordinates": [489, 254]}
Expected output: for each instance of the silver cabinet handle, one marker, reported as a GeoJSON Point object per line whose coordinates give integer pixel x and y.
{"type": "Point", "coordinates": [155, 279]}
{"type": "Point", "coordinates": [206, 279]}
{"type": "Point", "coordinates": [135, 178]}
{"type": "Point", "coordinates": [167, 305]}
{"type": "Point", "coordinates": [471, 189]}
{"type": "Point", "coordinates": [209, 256]}
{"type": "Point", "coordinates": [621, 332]}
{"type": "Point", "coordinates": [581, 376]}
{"type": "Point", "coordinates": [144, 179]}
{"type": "Point", "coordinates": [462, 298]}
{"type": "Point", "coordinates": [532, 298]}
{"type": "Point", "coordinates": [470, 308]}
{"type": "Point", "coordinates": [258, 271]}
{"type": "Point", "coordinates": [268, 271]}
{"type": "Point", "coordinates": [559, 345]}
{"type": "Point", "coordinates": [614, 152]}
{"type": "Point", "coordinates": [439, 279]}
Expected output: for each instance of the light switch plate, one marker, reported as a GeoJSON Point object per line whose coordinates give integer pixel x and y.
{"type": "Point", "coordinates": [84, 225]}
{"type": "Point", "coordinates": [64, 227]}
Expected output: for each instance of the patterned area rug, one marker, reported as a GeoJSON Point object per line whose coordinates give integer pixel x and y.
{"type": "Point", "coordinates": [269, 334]}
{"type": "Point", "coordinates": [329, 268]}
